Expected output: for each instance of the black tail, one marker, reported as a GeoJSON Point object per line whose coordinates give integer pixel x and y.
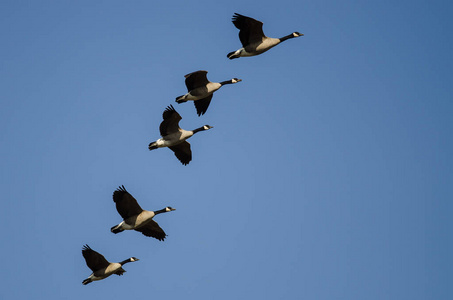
{"type": "Point", "coordinates": [231, 55]}
{"type": "Point", "coordinates": [180, 99]}
{"type": "Point", "coordinates": [151, 146]}
{"type": "Point", "coordinates": [86, 281]}
{"type": "Point", "coordinates": [116, 230]}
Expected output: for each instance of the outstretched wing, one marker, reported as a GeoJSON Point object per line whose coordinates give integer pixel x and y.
{"type": "Point", "coordinates": [182, 152]}
{"type": "Point", "coordinates": [196, 79]}
{"type": "Point", "coordinates": [170, 124]}
{"type": "Point", "coordinates": [250, 30]}
{"type": "Point", "coordinates": [120, 271]}
{"type": "Point", "coordinates": [152, 229]}
{"type": "Point", "coordinates": [95, 261]}
{"type": "Point", "coordinates": [126, 205]}
{"type": "Point", "coordinates": [202, 105]}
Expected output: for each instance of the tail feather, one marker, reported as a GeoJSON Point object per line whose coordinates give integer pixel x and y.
{"type": "Point", "coordinates": [86, 281]}
{"type": "Point", "coordinates": [152, 146]}
{"type": "Point", "coordinates": [180, 99]}
{"type": "Point", "coordinates": [115, 229]}
{"type": "Point", "coordinates": [231, 55]}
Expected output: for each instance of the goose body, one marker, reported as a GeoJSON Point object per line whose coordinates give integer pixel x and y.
{"type": "Point", "coordinates": [252, 37]}
{"type": "Point", "coordinates": [200, 90]}
{"type": "Point", "coordinates": [174, 137]}
{"type": "Point", "coordinates": [255, 49]}
{"type": "Point", "coordinates": [101, 267]}
{"type": "Point", "coordinates": [136, 218]}
{"type": "Point", "coordinates": [135, 222]}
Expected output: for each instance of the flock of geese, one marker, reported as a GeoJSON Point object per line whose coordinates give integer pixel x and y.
{"type": "Point", "coordinates": [200, 90]}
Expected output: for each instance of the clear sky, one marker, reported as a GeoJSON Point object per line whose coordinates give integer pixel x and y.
{"type": "Point", "coordinates": [327, 175]}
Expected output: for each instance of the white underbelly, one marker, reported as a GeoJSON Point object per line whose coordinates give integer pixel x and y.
{"type": "Point", "coordinates": [203, 92]}
{"type": "Point", "coordinates": [191, 97]}
{"type": "Point", "coordinates": [167, 143]}
{"type": "Point", "coordinates": [174, 138]}
{"type": "Point", "coordinates": [94, 278]}
{"type": "Point", "coordinates": [126, 226]}
{"type": "Point", "coordinates": [265, 45]}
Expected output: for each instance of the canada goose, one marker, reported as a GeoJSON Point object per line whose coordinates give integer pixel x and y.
{"type": "Point", "coordinates": [100, 266]}
{"type": "Point", "coordinates": [134, 217]}
{"type": "Point", "coordinates": [174, 137]}
{"type": "Point", "coordinates": [200, 90]}
{"type": "Point", "coordinates": [252, 37]}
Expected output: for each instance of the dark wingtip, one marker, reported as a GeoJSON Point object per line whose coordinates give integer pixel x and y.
{"type": "Point", "coordinates": [201, 112]}
{"type": "Point", "coordinates": [169, 109]}
{"type": "Point", "coordinates": [121, 188]}
{"type": "Point", "coordinates": [162, 239]}
{"type": "Point", "coordinates": [236, 15]}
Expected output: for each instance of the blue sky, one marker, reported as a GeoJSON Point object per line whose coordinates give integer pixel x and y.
{"type": "Point", "coordinates": [327, 174]}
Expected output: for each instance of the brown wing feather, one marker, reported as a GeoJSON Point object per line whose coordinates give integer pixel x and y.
{"type": "Point", "coordinates": [94, 260]}
{"type": "Point", "coordinates": [126, 205]}
{"type": "Point", "coordinates": [170, 124]}
{"type": "Point", "coordinates": [152, 229]}
{"type": "Point", "coordinates": [202, 105]}
{"type": "Point", "coordinates": [196, 79]}
{"type": "Point", "coordinates": [120, 272]}
{"type": "Point", "coordinates": [182, 152]}
{"type": "Point", "coordinates": [250, 30]}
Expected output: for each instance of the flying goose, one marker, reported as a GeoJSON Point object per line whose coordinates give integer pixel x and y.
{"type": "Point", "coordinates": [100, 266]}
{"type": "Point", "coordinates": [200, 90]}
{"type": "Point", "coordinates": [252, 37]}
{"type": "Point", "coordinates": [174, 137]}
{"type": "Point", "coordinates": [134, 217]}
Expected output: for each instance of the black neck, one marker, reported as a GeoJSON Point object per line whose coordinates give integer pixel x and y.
{"type": "Point", "coordinates": [125, 261]}
{"type": "Point", "coordinates": [289, 36]}
{"type": "Point", "coordinates": [198, 129]}
{"type": "Point", "coordinates": [226, 82]}
{"type": "Point", "coordinates": [160, 211]}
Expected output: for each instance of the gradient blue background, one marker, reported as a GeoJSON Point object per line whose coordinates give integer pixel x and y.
{"type": "Point", "coordinates": [327, 175]}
